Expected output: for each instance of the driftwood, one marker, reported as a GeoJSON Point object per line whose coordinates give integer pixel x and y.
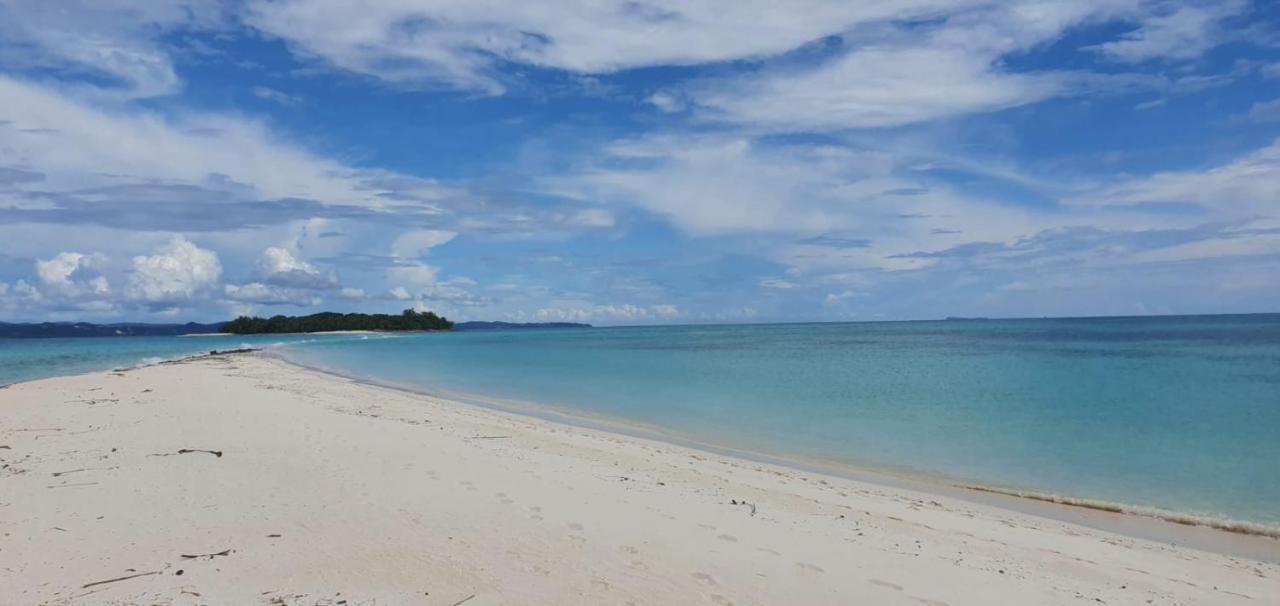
{"type": "Point", "coordinates": [216, 453]}
{"type": "Point", "coordinates": [463, 600]}
{"type": "Point", "coordinates": [123, 578]}
{"type": "Point", "coordinates": [182, 451]}
{"type": "Point", "coordinates": [63, 473]}
{"type": "Point", "coordinates": [224, 552]}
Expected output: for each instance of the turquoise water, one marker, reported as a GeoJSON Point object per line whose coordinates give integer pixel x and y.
{"type": "Point", "coordinates": [1181, 414]}
{"type": "Point", "coordinates": [28, 359]}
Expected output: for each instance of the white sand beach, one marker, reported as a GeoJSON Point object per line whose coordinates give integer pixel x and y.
{"type": "Point", "coordinates": [242, 479]}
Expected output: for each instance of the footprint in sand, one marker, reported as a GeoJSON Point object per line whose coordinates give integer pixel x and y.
{"type": "Point", "coordinates": [728, 537]}
{"type": "Point", "coordinates": [628, 549]}
{"type": "Point", "coordinates": [719, 599]}
{"type": "Point", "coordinates": [705, 579]}
{"type": "Point", "coordinates": [575, 526]}
{"type": "Point", "coordinates": [812, 568]}
{"type": "Point", "coordinates": [601, 583]}
{"type": "Point", "coordinates": [892, 586]}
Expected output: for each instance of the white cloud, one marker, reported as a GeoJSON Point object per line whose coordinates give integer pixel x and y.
{"type": "Point", "coordinates": [452, 292]}
{"type": "Point", "coordinates": [275, 96]}
{"type": "Point", "coordinates": [1186, 32]}
{"type": "Point", "coordinates": [625, 312]}
{"type": "Point", "coordinates": [115, 40]}
{"type": "Point", "coordinates": [176, 273]}
{"type": "Point", "coordinates": [459, 44]}
{"type": "Point", "coordinates": [352, 294]}
{"type": "Point", "coordinates": [280, 267]}
{"type": "Point", "coordinates": [1244, 187]}
{"type": "Point", "coordinates": [416, 243]}
{"type": "Point", "coordinates": [414, 276]}
{"type": "Point", "coordinates": [713, 185]}
{"type": "Point", "coordinates": [399, 293]}
{"type": "Point", "coordinates": [1265, 111]}
{"type": "Point", "coordinates": [665, 311]}
{"type": "Point", "coordinates": [73, 273]}
{"type": "Point", "coordinates": [563, 314]}
{"type": "Point", "coordinates": [875, 87]}
{"type": "Point", "coordinates": [265, 294]}
{"type": "Point", "coordinates": [75, 146]}
{"type": "Point", "coordinates": [667, 101]}
{"type": "Point", "coordinates": [891, 75]}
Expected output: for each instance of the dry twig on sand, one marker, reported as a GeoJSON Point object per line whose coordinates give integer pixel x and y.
{"type": "Point", "coordinates": [123, 578]}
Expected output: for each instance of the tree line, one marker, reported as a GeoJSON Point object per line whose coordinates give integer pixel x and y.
{"type": "Point", "coordinates": [330, 321]}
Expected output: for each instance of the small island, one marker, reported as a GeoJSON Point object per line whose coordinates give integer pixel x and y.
{"type": "Point", "coordinates": [331, 322]}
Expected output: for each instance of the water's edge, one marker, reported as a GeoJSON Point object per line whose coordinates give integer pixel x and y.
{"type": "Point", "coordinates": [1233, 537]}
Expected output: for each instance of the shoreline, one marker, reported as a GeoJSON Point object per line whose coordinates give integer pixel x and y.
{"type": "Point", "coordinates": [1113, 516]}
{"type": "Point", "coordinates": [247, 479]}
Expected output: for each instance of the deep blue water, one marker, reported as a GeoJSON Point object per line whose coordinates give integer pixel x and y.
{"type": "Point", "coordinates": [1179, 413]}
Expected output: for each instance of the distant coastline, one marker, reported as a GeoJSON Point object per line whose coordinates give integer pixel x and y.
{"type": "Point", "coordinates": [56, 330]}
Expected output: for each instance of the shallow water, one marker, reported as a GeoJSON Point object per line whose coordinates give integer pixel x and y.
{"type": "Point", "coordinates": [1181, 413]}
{"type": "Point", "coordinates": [1174, 413]}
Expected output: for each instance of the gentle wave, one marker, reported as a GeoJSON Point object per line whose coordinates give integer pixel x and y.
{"type": "Point", "coordinates": [1185, 519]}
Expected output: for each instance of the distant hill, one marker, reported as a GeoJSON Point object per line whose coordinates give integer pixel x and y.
{"type": "Point", "coordinates": [137, 329]}
{"type": "Point", "coordinates": [86, 329]}
{"type": "Point", "coordinates": [515, 325]}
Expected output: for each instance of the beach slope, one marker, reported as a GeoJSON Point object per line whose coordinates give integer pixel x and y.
{"type": "Point", "coordinates": [240, 479]}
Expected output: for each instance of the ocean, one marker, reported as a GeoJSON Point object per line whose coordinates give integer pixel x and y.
{"type": "Point", "coordinates": [1180, 414]}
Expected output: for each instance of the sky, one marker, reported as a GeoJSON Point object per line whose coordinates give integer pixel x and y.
{"type": "Point", "coordinates": [638, 162]}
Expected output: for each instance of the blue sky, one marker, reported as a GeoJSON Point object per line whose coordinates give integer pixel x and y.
{"type": "Point", "coordinates": [638, 162]}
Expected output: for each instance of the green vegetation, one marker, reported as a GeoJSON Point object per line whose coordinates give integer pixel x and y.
{"type": "Point", "coordinates": [329, 321]}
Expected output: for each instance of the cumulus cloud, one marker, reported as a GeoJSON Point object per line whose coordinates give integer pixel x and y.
{"type": "Point", "coordinates": [281, 267]}
{"type": "Point", "coordinates": [178, 272]}
{"type": "Point", "coordinates": [73, 274]}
